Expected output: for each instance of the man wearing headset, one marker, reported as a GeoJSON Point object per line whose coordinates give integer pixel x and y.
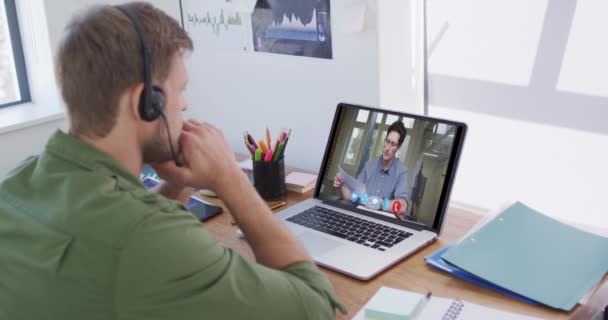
{"type": "Point", "coordinates": [81, 237]}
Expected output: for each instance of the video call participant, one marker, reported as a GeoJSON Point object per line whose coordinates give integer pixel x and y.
{"type": "Point", "coordinates": [385, 177]}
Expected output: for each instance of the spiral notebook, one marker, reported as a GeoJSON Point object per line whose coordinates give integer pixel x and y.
{"type": "Point", "coordinates": [449, 309]}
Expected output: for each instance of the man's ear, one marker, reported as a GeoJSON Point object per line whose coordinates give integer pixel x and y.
{"type": "Point", "coordinates": [134, 95]}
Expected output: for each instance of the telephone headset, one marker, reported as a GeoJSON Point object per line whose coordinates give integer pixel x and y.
{"type": "Point", "coordinates": [152, 101]}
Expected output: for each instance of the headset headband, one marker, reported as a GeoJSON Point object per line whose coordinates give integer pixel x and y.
{"type": "Point", "coordinates": [147, 96]}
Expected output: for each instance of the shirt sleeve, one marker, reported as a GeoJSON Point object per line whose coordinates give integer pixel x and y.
{"type": "Point", "coordinates": [171, 268]}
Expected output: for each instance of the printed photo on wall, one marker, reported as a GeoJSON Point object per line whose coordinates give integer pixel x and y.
{"type": "Point", "coordinates": [293, 27]}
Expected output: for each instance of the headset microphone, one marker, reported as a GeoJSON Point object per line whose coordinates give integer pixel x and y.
{"type": "Point", "coordinates": [176, 159]}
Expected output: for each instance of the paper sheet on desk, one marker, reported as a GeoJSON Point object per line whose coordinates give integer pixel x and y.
{"type": "Point", "coordinates": [350, 182]}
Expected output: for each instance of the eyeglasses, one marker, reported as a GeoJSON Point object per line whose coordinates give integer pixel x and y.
{"type": "Point", "coordinates": [391, 143]}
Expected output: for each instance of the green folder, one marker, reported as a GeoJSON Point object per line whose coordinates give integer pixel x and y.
{"type": "Point", "coordinates": [536, 256]}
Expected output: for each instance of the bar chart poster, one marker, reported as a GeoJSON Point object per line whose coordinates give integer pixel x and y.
{"type": "Point", "coordinates": [217, 25]}
{"type": "Point", "coordinates": [293, 27]}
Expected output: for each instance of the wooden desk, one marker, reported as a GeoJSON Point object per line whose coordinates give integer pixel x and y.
{"type": "Point", "coordinates": [409, 274]}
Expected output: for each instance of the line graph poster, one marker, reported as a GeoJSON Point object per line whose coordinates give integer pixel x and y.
{"type": "Point", "coordinates": [218, 24]}
{"type": "Point", "coordinates": [294, 27]}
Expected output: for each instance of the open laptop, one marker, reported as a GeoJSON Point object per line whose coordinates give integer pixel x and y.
{"type": "Point", "coordinates": [362, 235]}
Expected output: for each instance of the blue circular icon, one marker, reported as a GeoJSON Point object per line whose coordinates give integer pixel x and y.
{"type": "Point", "coordinates": [364, 199]}
{"type": "Point", "coordinates": [354, 196]}
{"type": "Point", "coordinates": [386, 204]}
{"type": "Point", "coordinates": [375, 201]}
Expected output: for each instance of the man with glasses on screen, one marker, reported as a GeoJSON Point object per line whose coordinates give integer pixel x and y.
{"type": "Point", "coordinates": [385, 177]}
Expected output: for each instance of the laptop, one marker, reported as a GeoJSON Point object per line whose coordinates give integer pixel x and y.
{"type": "Point", "coordinates": [362, 232]}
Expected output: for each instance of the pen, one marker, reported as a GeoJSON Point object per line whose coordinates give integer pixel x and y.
{"type": "Point", "coordinates": [268, 156]}
{"type": "Point", "coordinates": [279, 151]}
{"type": "Point", "coordinates": [258, 154]}
{"type": "Point", "coordinates": [285, 143]}
{"type": "Point", "coordinates": [263, 146]}
{"type": "Point", "coordinates": [278, 205]}
{"type": "Point", "coordinates": [249, 148]}
{"type": "Point", "coordinates": [276, 146]}
{"type": "Point", "coordinates": [268, 140]}
{"type": "Point", "coordinates": [251, 141]}
{"type": "Point", "coordinates": [420, 306]}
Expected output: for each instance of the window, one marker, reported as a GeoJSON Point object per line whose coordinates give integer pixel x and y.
{"type": "Point", "coordinates": [362, 116]}
{"type": "Point", "coordinates": [354, 146]}
{"type": "Point", "coordinates": [13, 77]}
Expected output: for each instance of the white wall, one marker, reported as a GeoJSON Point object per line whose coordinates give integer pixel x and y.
{"type": "Point", "coordinates": [531, 80]}
{"type": "Point", "coordinates": [17, 145]}
{"type": "Point", "coordinates": [400, 55]}
{"type": "Point", "coordinates": [59, 12]}
{"type": "Point", "coordinates": [248, 91]}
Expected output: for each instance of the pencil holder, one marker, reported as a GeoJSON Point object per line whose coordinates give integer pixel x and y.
{"type": "Point", "coordinates": [269, 179]}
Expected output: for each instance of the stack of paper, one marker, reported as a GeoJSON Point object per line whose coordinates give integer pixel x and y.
{"type": "Point", "coordinates": [533, 256]}
{"type": "Point", "coordinates": [300, 181]}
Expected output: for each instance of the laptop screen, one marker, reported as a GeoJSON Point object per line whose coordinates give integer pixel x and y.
{"type": "Point", "coordinates": [392, 166]}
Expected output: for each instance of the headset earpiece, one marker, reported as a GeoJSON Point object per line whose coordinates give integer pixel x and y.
{"type": "Point", "coordinates": [158, 99]}
{"type": "Point", "coordinates": [150, 111]}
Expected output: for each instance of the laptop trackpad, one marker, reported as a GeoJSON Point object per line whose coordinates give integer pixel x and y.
{"type": "Point", "coordinates": [317, 245]}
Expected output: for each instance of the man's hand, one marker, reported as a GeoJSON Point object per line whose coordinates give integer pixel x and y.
{"type": "Point", "coordinates": [338, 182]}
{"type": "Point", "coordinates": [370, 203]}
{"type": "Point", "coordinates": [209, 163]}
{"type": "Point", "coordinates": [401, 204]}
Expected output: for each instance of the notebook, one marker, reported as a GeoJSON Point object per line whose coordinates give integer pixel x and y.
{"type": "Point", "coordinates": [533, 255]}
{"type": "Point", "coordinates": [439, 308]}
{"type": "Point", "coordinates": [392, 304]}
{"type": "Point", "coordinates": [300, 181]}
{"type": "Point", "coordinates": [408, 210]}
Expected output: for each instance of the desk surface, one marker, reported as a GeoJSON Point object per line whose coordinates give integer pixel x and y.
{"type": "Point", "coordinates": [411, 273]}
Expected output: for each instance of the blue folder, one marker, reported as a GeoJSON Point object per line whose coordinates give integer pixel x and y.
{"type": "Point", "coordinates": [434, 260]}
{"type": "Point", "coordinates": [527, 252]}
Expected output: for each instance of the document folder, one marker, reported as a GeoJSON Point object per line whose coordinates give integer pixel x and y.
{"type": "Point", "coordinates": [535, 256]}
{"type": "Point", "coordinates": [434, 260]}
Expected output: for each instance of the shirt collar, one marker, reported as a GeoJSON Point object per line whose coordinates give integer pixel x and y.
{"type": "Point", "coordinates": [84, 155]}
{"type": "Point", "coordinates": [390, 168]}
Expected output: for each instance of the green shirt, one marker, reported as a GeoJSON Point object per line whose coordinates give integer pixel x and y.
{"type": "Point", "coordinates": [81, 238]}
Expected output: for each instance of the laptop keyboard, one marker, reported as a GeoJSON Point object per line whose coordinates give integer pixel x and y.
{"type": "Point", "coordinates": [366, 233]}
